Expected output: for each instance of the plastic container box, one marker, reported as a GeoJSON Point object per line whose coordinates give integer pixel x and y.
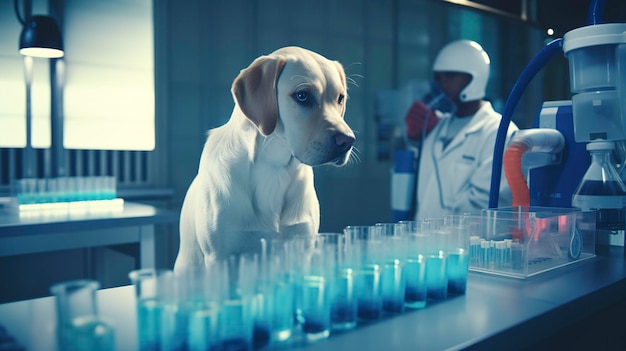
{"type": "Point", "coordinates": [522, 242]}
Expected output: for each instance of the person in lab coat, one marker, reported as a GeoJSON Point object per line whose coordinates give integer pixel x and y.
{"type": "Point", "coordinates": [456, 153]}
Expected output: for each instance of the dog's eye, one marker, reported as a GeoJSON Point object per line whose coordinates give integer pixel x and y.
{"type": "Point", "coordinates": [303, 97]}
{"type": "Point", "coordinates": [340, 99]}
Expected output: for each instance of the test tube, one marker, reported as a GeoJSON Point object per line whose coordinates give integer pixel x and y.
{"type": "Point", "coordinates": [394, 258]}
{"type": "Point", "coordinates": [150, 287]}
{"type": "Point", "coordinates": [314, 298]}
{"type": "Point", "coordinates": [281, 300]}
{"type": "Point", "coordinates": [236, 322]}
{"type": "Point", "coordinates": [474, 250]}
{"type": "Point", "coordinates": [415, 295]}
{"type": "Point", "coordinates": [203, 291]}
{"type": "Point", "coordinates": [500, 254]}
{"type": "Point", "coordinates": [485, 254]}
{"type": "Point", "coordinates": [436, 271]}
{"type": "Point", "coordinates": [365, 244]}
{"type": "Point", "coordinates": [343, 313]}
{"type": "Point", "coordinates": [459, 228]}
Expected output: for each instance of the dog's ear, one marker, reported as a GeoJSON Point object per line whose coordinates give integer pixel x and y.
{"type": "Point", "coordinates": [254, 90]}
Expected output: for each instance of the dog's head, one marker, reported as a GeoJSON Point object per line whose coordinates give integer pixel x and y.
{"type": "Point", "coordinates": [300, 96]}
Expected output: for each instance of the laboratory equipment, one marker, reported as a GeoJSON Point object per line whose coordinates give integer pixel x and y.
{"type": "Point", "coordinates": [364, 245]}
{"type": "Point", "coordinates": [522, 242]}
{"type": "Point", "coordinates": [79, 325]}
{"type": "Point", "coordinates": [415, 293]}
{"type": "Point", "coordinates": [460, 229]}
{"type": "Point", "coordinates": [394, 260]}
{"type": "Point", "coordinates": [437, 241]}
{"type": "Point", "coordinates": [343, 310]}
{"type": "Point", "coordinates": [66, 193]}
{"type": "Point", "coordinates": [595, 115]}
{"type": "Point", "coordinates": [601, 187]}
{"type": "Point", "coordinates": [153, 289]}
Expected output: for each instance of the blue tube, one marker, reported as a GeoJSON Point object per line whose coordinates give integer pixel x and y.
{"type": "Point", "coordinates": [534, 66]}
{"type": "Point", "coordinates": [595, 12]}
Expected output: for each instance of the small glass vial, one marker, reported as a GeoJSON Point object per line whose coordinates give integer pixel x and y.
{"type": "Point", "coordinates": [79, 327]}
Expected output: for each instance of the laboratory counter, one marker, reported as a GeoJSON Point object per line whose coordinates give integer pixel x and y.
{"type": "Point", "coordinates": [572, 308]}
{"type": "Point", "coordinates": [26, 232]}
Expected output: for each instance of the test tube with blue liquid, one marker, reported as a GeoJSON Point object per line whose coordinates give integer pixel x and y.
{"type": "Point", "coordinates": [436, 271]}
{"type": "Point", "coordinates": [365, 245]}
{"type": "Point", "coordinates": [236, 319]}
{"type": "Point", "coordinates": [460, 228]}
{"type": "Point", "coordinates": [394, 258]}
{"type": "Point", "coordinates": [203, 291]}
{"type": "Point", "coordinates": [415, 295]}
{"type": "Point", "coordinates": [474, 250]}
{"type": "Point", "coordinates": [151, 286]}
{"type": "Point", "coordinates": [486, 260]}
{"type": "Point", "coordinates": [314, 298]}
{"type": "Point", "coordinates": [282, 305]}
{"type": "Point", "coordinates": [343, 309]}
{"type": "Point", "coordinates": [500, 254]}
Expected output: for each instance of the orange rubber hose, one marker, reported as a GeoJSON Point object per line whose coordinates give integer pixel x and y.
{"type": "Point", "coordinates": [512, 163]}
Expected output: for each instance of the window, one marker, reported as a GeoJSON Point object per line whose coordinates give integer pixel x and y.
{"type": "Point", "coordinates": [109, 75]}
{"type": "Point", "coordinates": [107, 71]}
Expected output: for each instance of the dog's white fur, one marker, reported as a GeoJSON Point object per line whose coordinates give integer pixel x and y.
{"type": "Point", "coordinates": [255, 178]}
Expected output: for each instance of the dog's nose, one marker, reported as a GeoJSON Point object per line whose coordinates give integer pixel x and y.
{"type": "Point", "coordinates": [343, 140]}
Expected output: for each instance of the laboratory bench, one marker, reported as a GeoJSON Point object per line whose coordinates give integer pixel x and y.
{"type": "Point", "coordinates": [573, 308]}
{"type": "Point", "coordinates": [77, 241]}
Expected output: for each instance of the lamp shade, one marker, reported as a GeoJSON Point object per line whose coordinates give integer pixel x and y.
{"type": "Point", "coordinates": [41, 37]}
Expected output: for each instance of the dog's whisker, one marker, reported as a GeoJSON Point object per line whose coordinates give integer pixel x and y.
{"type": "Point", "coordinates": [352, 64]}
{"type": "Point", "coordinates": [351, 80]}
{"type": "Point", "coordinates": [354, 156]}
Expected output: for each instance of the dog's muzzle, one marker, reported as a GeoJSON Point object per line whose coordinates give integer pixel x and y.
{"type": "Point", "coordinates": [342, 144]}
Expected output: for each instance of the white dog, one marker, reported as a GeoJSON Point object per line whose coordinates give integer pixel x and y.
{"type": "Point", "coordinates": [255, 178]}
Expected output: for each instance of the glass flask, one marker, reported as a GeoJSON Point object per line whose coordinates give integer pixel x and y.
{"type": "Point", "coordinates": [602, 188]}
{"type": "Point", "coordinates": [79, 326]}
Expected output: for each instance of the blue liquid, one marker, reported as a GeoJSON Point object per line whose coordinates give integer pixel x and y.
{"type": "Point", "coordinates": [474, 254]}
{"type": "Point", "coordinates": [280, 312]}
{"type": "Point", "coordinates": [314, 304]}
{"type": "Point", "coordinates": [261, 336]}
{"type": "Point", "coordinates": [608, 219]}
{"type": "Point", "coordinates": [149, 324]}
{"type": "Point", "coordinates": [369, 298]}
{"type": "Point", "coordinates": [174, 321]}
{"type": "Point", "coordinates": [343, 315]}
{"type": "Point", "coordinates": [369, 310]}
{"type": "Point", "coordinates": [234, 345]}
{"type": "Point", "coordinates": [457, 267]}
{"type": "Point", "coordinates": [415, 274]}
{"type": "Point", "coordinates": [313, 327]}
{"type": "Point", "coordinates": [88, 334]}
{"type": "Point", "coordinates": [236, 324]}
{"type": "Point", "coordinates": [436, 277]}
{"type": "Point", "coordinates": [393, 306]}
{"type": "Point", "coordinates": [203, 332]}
{"type": "Point", "coordinates": [393, 287]}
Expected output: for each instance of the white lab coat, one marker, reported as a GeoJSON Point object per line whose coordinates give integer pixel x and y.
{"type": "Point", "coordinates": [460, 180]}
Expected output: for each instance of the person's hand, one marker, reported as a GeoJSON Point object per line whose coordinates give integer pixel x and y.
{"type": "Point", "coordinates": [420, 120]}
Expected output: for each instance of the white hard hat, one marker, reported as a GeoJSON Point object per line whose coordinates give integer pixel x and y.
{"type": "Point", "coordinates": [468, 57]}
